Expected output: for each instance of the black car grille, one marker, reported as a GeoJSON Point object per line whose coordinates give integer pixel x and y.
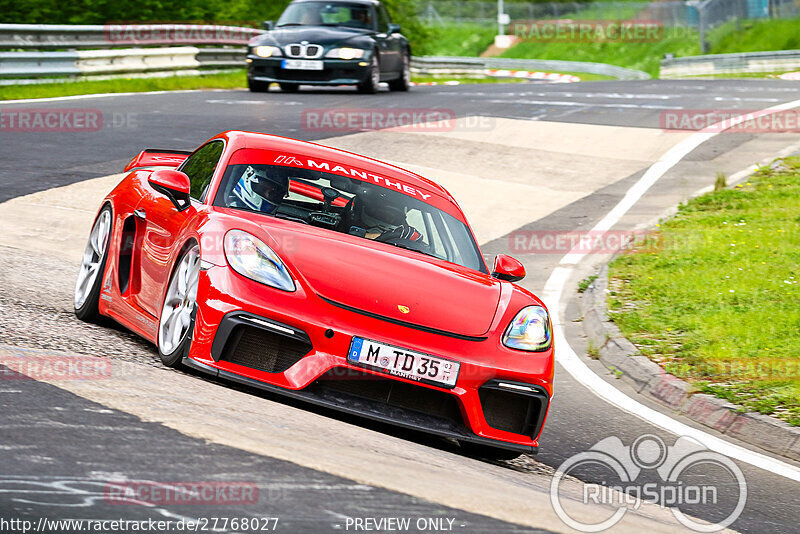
{"type": "Point", "coordinates": [392, 393]}
{"type": "Point", "coordinates": [513, 412]}
{"type": "Point", "coordinates": [263, 350]}
{"type": "Point", "coordinates": [308, 51]}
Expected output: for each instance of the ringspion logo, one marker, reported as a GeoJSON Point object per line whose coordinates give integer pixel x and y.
{"type": "Point", "coordinates": [679, 478]}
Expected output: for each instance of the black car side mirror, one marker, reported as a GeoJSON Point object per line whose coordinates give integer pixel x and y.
{"type": "Point", "coordinates": [393, 28]}
{"type": "Point", "coordinates": [267, 25]}
{"type": "Point", "coordinates": [174, 184]}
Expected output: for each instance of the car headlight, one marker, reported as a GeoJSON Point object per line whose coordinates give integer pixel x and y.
{"type": "Point", "coordinates": [346, 53]}
{"type": "Point", "coordinates": [266, 51]}
{"type": "Point", "coordinates": [252, 258]}
{"type": "Point", "coordinates": [530, 330]}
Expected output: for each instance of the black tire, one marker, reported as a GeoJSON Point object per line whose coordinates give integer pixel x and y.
{"type": "Point", "coordinates": [404, 81]}
{"type": "Point", "coordinates": [257, 87]}
{"type": "Point", "coordinates": [289, 87]}
{"type": "Point", "coordinates": [372, 83]}
{"type": "Point", "coordinates": [175, 357]}
{"type": "Point", "coordinates": [88, 311]}
{"type": "Point", "coordinates": [487, 452]}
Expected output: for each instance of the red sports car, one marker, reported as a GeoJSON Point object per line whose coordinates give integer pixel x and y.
{"type": "Point", "coordinates": [326, 276]}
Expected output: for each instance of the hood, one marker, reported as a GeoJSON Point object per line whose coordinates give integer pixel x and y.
{"type": "Point", "coordinates": [391, 282]}
{"type": "Point", "coordinates": [322, 35]}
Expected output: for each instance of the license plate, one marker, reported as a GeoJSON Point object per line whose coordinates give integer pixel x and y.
{"type": "Point", "coordinates": [303, 64]}
{"type": "Point", "coordinates": [404, 363]}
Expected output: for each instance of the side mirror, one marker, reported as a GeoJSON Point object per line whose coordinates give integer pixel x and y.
{"type": "Point", "coordinates": [508, 269]}
{"type": "Point", "coordinates": [267, 25]}
{"type": "Point", "coordinates": [174, 184]}
{"type": "Point", "coordinates": [393, 28]}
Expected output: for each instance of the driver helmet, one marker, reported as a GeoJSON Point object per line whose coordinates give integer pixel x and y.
{"type": "Point", "coordinates": [377, 212]}
{"type": "Point", "coordinates": [258, 191]}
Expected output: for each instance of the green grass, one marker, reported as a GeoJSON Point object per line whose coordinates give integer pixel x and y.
{"type": "Point", "coordinates": [741, 36]}
{"type": "Point", "coordinates": [644, 56]}
{"type": "Point", "coordinates": [717, 303]}
{"type": "Point", "coordinates": [455, 40]}
{"type": "Point", "coordinates": [584, 284]}
{"type": "Point", "coordinates": [755, 36]}
{"type": "Point", "coordinates": [228, 80]}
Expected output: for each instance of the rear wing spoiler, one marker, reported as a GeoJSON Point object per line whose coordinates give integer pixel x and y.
{"type": "Point", "coordinates": [153, 157]}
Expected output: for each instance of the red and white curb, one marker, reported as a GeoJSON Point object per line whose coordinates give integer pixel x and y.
{"type": "Point", "coordinates": [533, 75]}
{"type": "Point", "coordinates": [552, 77]}
{"type": "Point", "coordinates": [449, 82]}
{"type": "Point", "coordinates": [790, 76]}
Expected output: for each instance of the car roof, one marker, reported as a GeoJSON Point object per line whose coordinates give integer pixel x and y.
{"type": "Point", "coordinates": [238, 139]}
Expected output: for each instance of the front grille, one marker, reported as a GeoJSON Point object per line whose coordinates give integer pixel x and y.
{"type": "Point", "coordinates": [392, 393]}
{"type": "Point", "coordinates": [512, 412]}
{"type": "Point", "coordinates": [301, 50]}
{"type": "Point", "coordinates": [263, 350]}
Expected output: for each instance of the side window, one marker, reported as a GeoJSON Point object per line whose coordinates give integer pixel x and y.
{"type": "Point", "coordinates": [383, 19]}
{"type": "Point", "coordinates": [199, 167]}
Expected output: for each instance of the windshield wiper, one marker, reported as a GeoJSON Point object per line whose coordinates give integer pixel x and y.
{"type": "Point", "coordinates": [289, 24]}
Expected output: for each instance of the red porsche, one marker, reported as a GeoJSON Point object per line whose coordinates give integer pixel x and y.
{"type": "Point", "coordinates": [325, 276]}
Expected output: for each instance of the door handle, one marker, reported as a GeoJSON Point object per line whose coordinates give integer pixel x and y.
{"type": "Point", "coordinates": [140, 214]}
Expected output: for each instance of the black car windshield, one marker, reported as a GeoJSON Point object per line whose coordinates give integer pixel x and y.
{"type": "Point", "coordinates": [328, 14]}
{"type": "Point", "coordinates": [350, 206]}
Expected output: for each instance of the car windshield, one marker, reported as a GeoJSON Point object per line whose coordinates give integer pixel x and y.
{"type": "Point", "coordinates": [351, 206]}
{"type": "Point", "coordinates": [327, 14]}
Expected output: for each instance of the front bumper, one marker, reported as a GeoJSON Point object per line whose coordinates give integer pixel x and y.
{"type": "Point", "coordinates": [336, 72]}
{"type": "Point", "coordinates": [296, 344]}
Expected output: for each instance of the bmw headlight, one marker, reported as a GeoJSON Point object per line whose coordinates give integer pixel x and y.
{"type": "Point", "coordinates": [252, 258]}
{"type": "Point", "coordinates": [267, 51]}
{"type": "Point", "coordinates": [346, 53]}
{"type": "Point", "coordinates": [530, 330]}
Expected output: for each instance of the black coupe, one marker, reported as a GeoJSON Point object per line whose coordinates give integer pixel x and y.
{"type": "Point", "coordinates": [347, 42]}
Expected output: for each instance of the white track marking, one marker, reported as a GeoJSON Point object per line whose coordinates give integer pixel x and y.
{"type": "Point", "coordinates": [571, 103]}
{"type": "Point", "coordinates": [569, 360]}
{"type": "Point", "coordinates": [100, 95]}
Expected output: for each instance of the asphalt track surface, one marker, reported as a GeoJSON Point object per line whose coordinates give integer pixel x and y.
{"type": "Point", "coordinates": [46, 431]}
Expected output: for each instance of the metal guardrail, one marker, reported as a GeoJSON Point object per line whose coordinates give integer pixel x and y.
{"type": "Point", "coordinates": [466, 66]}
{"type": "Point", "coordinates": [122, 61]}
{"type": "Point", "coordinates": [49, 37]}
{"type": "Point", "coordinates": [713, 64]}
